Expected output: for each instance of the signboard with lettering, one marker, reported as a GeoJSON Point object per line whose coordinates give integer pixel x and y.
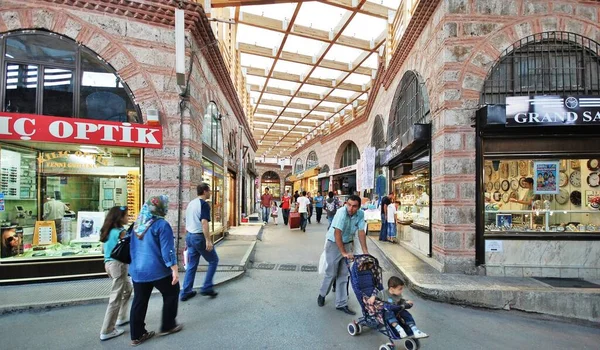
{"type": "Point", "coordinates": [41, 128]}
{"type": "Point", "coordinates": [528, 111]}
{"type": "Point", "coordinates": [343, 170]}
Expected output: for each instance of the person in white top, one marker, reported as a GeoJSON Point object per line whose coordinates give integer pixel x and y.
{"type": "Point", "coordinates": [302, 208]}
{"type": "Point", "coordinates": [391, 221]}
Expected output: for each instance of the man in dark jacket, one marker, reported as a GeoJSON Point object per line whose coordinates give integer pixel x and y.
{"type": "Point", "coordinates": [385, 201]}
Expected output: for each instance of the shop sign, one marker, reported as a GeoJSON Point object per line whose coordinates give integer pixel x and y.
{"type": "Point", "coordinates": [523, 111]}
{"type": "Point", "coordinates": [343, 170]}
{"type": "Point", "coordinates": [67, 159]}
{"type": "Point", "coordinates": [40, 128]}
{"type": "Point", "coordinates": [392, 151]}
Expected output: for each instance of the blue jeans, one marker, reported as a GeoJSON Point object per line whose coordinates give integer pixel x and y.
{"type": "Point", "coordinates": [265, 213]}
{"type": "Point", "coordinates": [303, 219]}
{"type": "Point", "coordinates": [406, 320]}
{"type": "Point", "coordinates": [196, 246]}
{"type": "Point", "coordinates": [391, 229]}
{"type": "Point", "coordinates": [330, 219]}
{"type": "Point", "coordinates": [383, 232]}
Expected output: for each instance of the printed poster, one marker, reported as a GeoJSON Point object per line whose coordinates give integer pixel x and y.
{"type": "Point", "coordinates": [546, 177]}
{"type": "Point", "coordinates": [2, 202]}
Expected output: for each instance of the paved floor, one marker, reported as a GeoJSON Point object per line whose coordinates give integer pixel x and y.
{"type": "Point", "coordinates": [273, 309]}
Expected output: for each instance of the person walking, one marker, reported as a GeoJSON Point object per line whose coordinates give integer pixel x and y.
{"type": "Point", "coordinates": [331, 206]}
{"type": "Point", "coordinates": [302, 208]}
{"type": "Point", "coordinates": [265, 205]}
{"type": "Point", "coordinates": [199, 243]}
{"type": "Point", "coordinates": [319, 199]}
{"type": "Point", "coordinates": [153, 264]}
{"type": "Point", "coordinates": [286, 202]}
{"type": "Point", "coordinates": [339, 246]}
{"type": "Point", "coordinates": [118, 303]}
{"type": "Point", "coordinates": [310, 207]}
{"type": "Point", "coordinates": [385, 201]}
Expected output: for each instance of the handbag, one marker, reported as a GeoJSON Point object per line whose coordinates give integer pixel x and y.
{"type": "Point", "coordinates": [121, 251]}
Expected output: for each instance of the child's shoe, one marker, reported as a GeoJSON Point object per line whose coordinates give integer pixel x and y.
{"type": "Point", "coordinates": [401, 332]}
{"type": "Point", "coordinates": [418, 334]}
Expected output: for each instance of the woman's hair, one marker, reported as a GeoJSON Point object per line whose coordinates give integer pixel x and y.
{"type": "Point", "coordinates": [275, 203]}
{"type": "Point", "coordinates": [113, 220]}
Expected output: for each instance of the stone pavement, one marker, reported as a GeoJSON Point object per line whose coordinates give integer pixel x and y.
{"type": "Point", "coordinates": [234, 257]}
{"type": "Point", "coordinates": [525, 294]}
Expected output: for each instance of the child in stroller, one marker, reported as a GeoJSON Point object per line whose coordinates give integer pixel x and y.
{"type": "Point", "coordinates": [365, 277]}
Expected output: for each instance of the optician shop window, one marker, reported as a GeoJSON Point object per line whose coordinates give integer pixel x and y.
{"type": "Point", "coordinates": [55, 196]}
{"type": "Point", "coordinates": [45, 73]}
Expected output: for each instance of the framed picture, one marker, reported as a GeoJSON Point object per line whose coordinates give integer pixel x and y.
{"type": "Point", "coordinates": [589, 195]}
{"type": "Point", "coordinates": [504, 220]}
{"type": "Point", "coordinates": [88, 225]}
{"type": "Point", "coordinates": [546, 177]}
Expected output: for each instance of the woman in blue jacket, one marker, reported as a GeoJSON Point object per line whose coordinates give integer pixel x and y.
{"type": "Point", "coordinates": [153, 264]}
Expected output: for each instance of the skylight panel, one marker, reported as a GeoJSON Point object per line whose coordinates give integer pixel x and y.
{"type": "Point", "coordinates": [343, 53]}
{"type": "Point", "coordinates": [331, 104]}
{"type": "Point", "coordinates": [365, 27]}
{"type": "Point", "coordinates": [319, 15]}
{"type": "Point", "coordinates": [370, 62]}
{"type": "Point", "coordinates": [254, 80]}
{"type": "Point", "coordinates": [393, 4]}
{"type": "Point", "coordinates": [247, 60]}
{"type": "Point", "coordinates": [258, 36]}
{"type": "Point", "coordinates": [277, 11]}
{"type": "Point", "coordinates": [291, 67]}
{"type": "Point", "coordinates": [342, 93]}
{"type": "Point", "coordinates": [282, 84]}
{"type": "Point", "coordinates": [315, 89]}
{"type": "Point", "coordinates": [325, 73]}
{"type": "Point", "coordinates": [304, 46]}
{"type": "Point", "coordinates": [358, 79]}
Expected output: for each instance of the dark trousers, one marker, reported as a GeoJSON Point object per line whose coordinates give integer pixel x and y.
{"type": "Point", "coordinates": [303, 217]}
{"type": "Point", "coordinates": [286, 215]}
{"type": "Point", "coordinates": [139, 307]}
{"type": "Point", "coordinates": [319, 214]}
{"type": "Point", "coordinates": [310, 211]}
{"type": "Point", "coordinates": [383, 232]}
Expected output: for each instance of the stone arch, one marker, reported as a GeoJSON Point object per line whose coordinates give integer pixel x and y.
{"type": "Point", "coordinates": [298, 166]}
{"type": "Point", "coordinates": [340, 152]}
{"type": "Point", "coordinates": [103, 44]}
{"type": "Point", "coordinates": [490, 48]}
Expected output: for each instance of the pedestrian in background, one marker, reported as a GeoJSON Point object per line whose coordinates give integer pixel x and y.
{"type": "Point", "coordinates": [310, 207]}
{"type": "Point", "coordinates": [153, 264]}
{"type": "Point", "coordinates": [385, 201]}
{"type": "Point", "coordinates": [302, 208]}
{"type": "Point", "coordinates": [319, 199]}
{"type": "Point", "coordinates": [265, 205]}
{"type": "Point", "coordinates": [274, 212]}
{"type": "Point", "coordinates": [118, 303]}
{"type": "Point", "coordinates": [286, 202]}
{"type": "Point", "coordinates": [339, 246]}
{"type": "Point", "coordinates": [199, 243]}
{"type": "Point", "coordinates": [331, 206]}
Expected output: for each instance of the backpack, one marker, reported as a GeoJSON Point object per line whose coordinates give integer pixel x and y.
{"type": "Point", "coordinates": [330, 207]}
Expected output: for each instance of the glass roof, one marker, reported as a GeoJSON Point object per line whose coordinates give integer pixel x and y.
{"type": "Point", "coordinates": [302, 47]}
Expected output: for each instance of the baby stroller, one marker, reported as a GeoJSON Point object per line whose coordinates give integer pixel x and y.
{"type": "Point", "coordinates": [365, 276]}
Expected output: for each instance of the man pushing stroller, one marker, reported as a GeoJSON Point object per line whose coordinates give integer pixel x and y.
{"type": "Point", "coordinates": [393, 295]}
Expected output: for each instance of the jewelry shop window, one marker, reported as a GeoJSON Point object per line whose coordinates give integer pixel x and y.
{"type": "Point", "coordinates": [45, 73]}
{"type": "Point", "coordinates": [55, 197]}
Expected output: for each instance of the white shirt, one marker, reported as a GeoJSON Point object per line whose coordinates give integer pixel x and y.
{"type": "Point", "coordinates": [193, 215]}
{"type": "Point", "coordinates": [391, 213]}
{"type": "Point", "coordinates": [303, 203]}
{"type": "Point", "coordinates": [54, 210]}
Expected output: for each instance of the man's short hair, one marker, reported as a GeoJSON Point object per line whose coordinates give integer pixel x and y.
{"type": "Point", "coordinates": [203, 187]}
{"type": "Point", "coordinates": [266, 189]}
{"type": "Point", "coordinates": [304, 193]}
{"type": "Point", "coordinates": [330, 194]}
{"type": "Point", "coordinates": [394, 282]}
{"type": "Point", "coordinates": [354, 198]}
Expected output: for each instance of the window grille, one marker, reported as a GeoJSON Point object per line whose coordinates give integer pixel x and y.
{"type": "Point", "coordinates": [549, 63]}
{"type": "Point", "coordinates": [350, 155]}
{"type": "Point", "coordinates": [298, 167]}
{"type": "Point", "coordinates": [410, 106]}
{"type": "Point", "coordinates": [312, 160]}
{"type": "Point", "coordinates": [378, 135]}
{"type": "Point", "coordinates": [324, 169]}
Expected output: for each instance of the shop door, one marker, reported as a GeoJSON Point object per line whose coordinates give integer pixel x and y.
{"type": "Point", "coordinates": [244, 197]}
{"type": "Point", "coordinates": [231, 207]}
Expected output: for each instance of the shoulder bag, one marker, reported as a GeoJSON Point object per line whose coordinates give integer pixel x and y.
{"type": "Point", "coordinates": [121, 251]}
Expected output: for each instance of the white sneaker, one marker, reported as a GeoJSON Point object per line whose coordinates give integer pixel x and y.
{"type": "Point", "coordinates": [115, 333]}
{"type": "Point", "coordinates": [402, 332]}
{"type": "Point", "coordinates": [418, 334]}
{"type": "Point", "coordinates": [122, 322]}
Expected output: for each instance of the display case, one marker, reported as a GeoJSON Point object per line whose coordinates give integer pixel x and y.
{"type": "Point", "coordinates": [412, 192]}
{"type": "Point", "coordinates": [542, 221]}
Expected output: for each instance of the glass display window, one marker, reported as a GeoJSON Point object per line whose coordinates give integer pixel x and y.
{"type": "Point", "coordinates": [413, 193]}
{"type": "Point", "coordinates": [213, 175]}
{"type": "Point", "coordinates": [56, 196]}
{"type": "Point", "coordinates": [543, 195]}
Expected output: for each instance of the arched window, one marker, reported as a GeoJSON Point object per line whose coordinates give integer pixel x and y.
{"type": "Point", "coordinates": [550, 63]}
{"type": "Point", "coordinates": [410, 106]}
{"type": "Point", "coordinates": [299, 166]}
{"type": "Point", "coordinates": [324, 169]}
{"type": "Point", "coordinates": [212, 134]}
{"type": "Point", "coordinates": [270, 176]}
{"type": "Point", "coordinates": [46, 73]}
{"type": "Point", "coordinates": [350, 155]}
{"type": "Point", "coordinates": [312, 160]}
{"type": "Point", "coordinates": [271, 180]}
{"type": "Point", "coordinates": [378, 135]}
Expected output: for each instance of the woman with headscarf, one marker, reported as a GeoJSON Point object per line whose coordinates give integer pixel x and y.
{"type": "Point", "coordinates": [153, 264]}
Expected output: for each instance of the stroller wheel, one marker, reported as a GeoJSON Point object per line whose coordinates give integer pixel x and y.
{"type": "Point", "coordinates": [358, 328]}
{"type": "Point", "coordinates": [411, 344]}
{"type": "Point", "coordinates": [386, 347]}
{"type": "Point", "coordinates": [353, 329]}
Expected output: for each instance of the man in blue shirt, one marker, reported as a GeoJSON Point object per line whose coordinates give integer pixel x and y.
{"type": "Point", "coordinates": [319, 199]}
{"type": "Point", "coordinates": [199, 243]}
{"type": "Point", "coordinates": [340, 237]}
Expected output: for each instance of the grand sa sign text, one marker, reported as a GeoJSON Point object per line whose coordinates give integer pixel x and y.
{"type": "Point", "coordinates": [552, 110]}
{"type": "Point", "coordinates": [40, 128]}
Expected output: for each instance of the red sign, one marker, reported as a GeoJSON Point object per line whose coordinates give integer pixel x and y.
{"type": "Point", "coordinates": [41, 128]}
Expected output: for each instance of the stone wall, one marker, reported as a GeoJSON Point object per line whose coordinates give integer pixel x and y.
{"type": "Point", "coordinates": [143, 54]}
{"type": "Point", "coordinates": [262, 168]}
